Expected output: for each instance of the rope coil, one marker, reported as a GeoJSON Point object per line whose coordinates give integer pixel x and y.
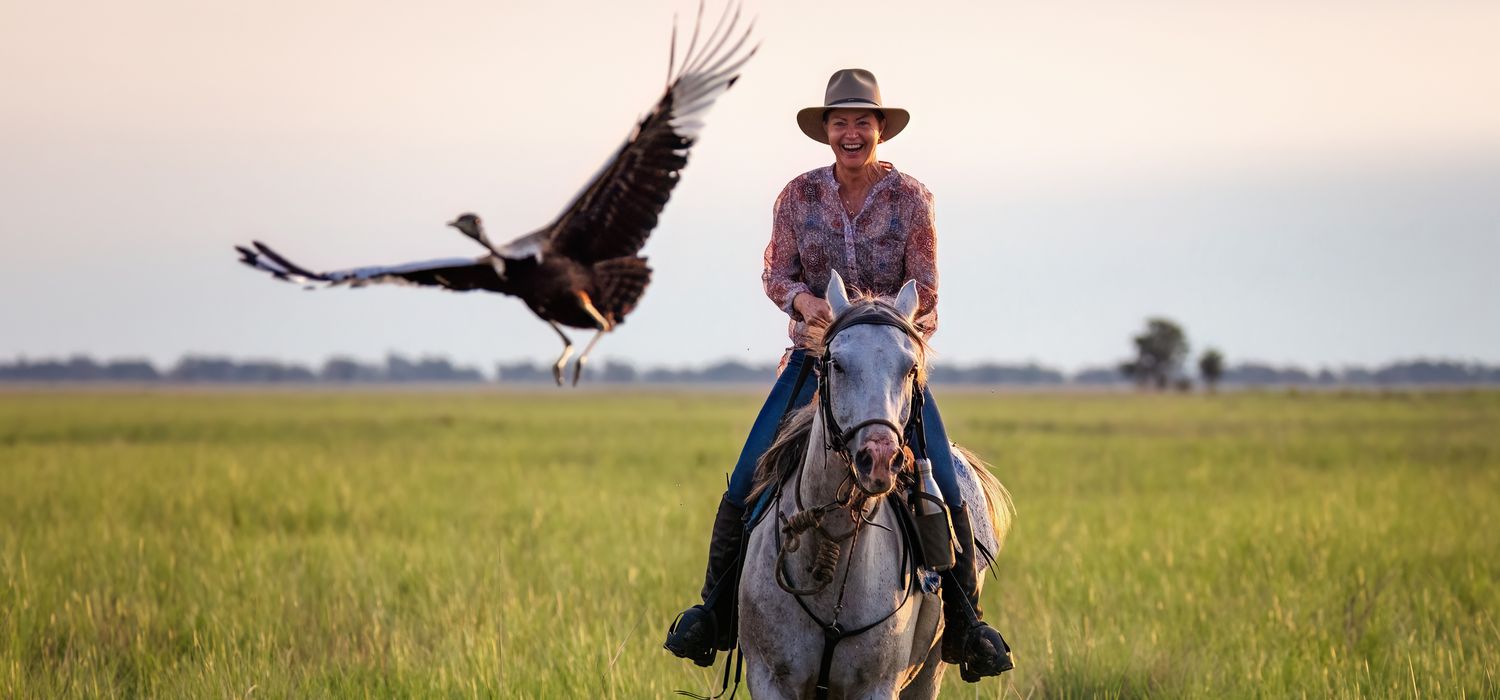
{"type": "Point", "coordinates": [827, 560]}
{"type": "Point", "coordinates": [824, 563]}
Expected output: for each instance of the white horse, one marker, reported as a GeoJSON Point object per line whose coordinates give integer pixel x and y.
{"type": "Point", "coordinates": [829, 605]}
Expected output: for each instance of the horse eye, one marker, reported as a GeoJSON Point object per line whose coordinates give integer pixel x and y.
{"type": "Point", "coordinates": [834, 364]}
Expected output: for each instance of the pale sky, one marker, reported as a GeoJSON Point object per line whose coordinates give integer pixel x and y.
{"type": "Point", "coordinates": [1295, 182]}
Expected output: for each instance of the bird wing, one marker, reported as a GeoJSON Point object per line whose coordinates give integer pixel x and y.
{"type": "Point", "coordinates": [457, 274]}
{"type": "Point", "coordinates": [615, 213]}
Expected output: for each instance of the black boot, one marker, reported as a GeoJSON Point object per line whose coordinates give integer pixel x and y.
{"type": "Point", "coordinates": [701, 629]}
{"type": "Point", "coordinates": [975, 647]}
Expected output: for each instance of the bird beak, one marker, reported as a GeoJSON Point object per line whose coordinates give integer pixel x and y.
{"type": "Point", "coordinates": [453, 223]}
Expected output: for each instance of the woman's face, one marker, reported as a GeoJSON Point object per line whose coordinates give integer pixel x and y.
{"type": "Point", "coordinates": [853, 134]}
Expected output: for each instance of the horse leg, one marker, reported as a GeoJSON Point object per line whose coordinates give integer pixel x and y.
{"type": "Point", "coordinates": [930, 679]}
{"type": "Point", "coordinates": [925, 661]}
{"type": "Point", "coordinates": [763, 683]}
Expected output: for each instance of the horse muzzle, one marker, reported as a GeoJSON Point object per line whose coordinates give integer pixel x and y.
{"type": "Point", "coordinates": [879, 457]}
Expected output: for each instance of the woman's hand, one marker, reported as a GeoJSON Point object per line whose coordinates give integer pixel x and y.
{"type": "Point", "coordinates": [813, 309]}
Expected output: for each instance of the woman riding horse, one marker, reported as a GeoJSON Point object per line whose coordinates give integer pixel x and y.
{"type": "Point", "coordinates": [874, 225]}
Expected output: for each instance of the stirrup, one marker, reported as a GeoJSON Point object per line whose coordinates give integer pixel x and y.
{"type": "Point", "coordinates": [985, 653]}
{"type": "Point", "coordinates": [687, 637]}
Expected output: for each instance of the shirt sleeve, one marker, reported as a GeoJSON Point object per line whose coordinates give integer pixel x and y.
{"type": "Point", "coordinates": [921, 261]}
{"type": "Point", "coordinates": [782, 274]}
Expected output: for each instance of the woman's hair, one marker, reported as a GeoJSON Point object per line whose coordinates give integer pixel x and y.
{"type": "Point", "coordinates": [879, 114]}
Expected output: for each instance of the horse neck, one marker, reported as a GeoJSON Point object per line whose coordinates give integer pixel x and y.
{"type": "Point", "coordinates": [822, 471]}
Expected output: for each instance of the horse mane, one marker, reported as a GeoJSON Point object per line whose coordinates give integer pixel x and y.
{"type": "Point", "coordinates": [859, 301]}
{"type": "Point", "coordinates": [789, 447]}
{"type": "Point", "coordinates": [786, 452]}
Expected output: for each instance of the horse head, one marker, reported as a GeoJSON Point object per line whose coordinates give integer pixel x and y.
{"type": "Point", "coordinates": [873, 364]}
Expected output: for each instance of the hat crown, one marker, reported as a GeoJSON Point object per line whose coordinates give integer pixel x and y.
{"type": "Point", "coordinates": [852, 86]}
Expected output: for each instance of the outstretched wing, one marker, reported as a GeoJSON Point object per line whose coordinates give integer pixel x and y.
{"type": "Point", "coordinates": [457, 274]}
{"type": "Point", "coordinates": [615, 213]}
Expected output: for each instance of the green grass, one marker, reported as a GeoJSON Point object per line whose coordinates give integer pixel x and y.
{"type": "Point", "coordinates": [199, 544]}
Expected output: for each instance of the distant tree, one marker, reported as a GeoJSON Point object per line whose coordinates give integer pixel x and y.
{"type": "Point", "coordinates": [131, 370]}
{"type": "Point", "coordinates": [348, 369]}
{"type": "Point", "coordinates": [1159, 354]}
{"type": "Point", "coordinates": [522, 373]}
{"type": "Point", "coordinates": [617, 372]}
{"type": "Point", "coordinates": [1211, 368]}
{"type": "Point", "coordinates": [1097, 376]}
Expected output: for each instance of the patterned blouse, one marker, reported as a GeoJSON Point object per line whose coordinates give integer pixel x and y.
{"type": "Point", "coordinates": [890, 241]}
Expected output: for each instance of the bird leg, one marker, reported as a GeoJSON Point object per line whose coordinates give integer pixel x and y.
{"type": "Point", "coordinates": [562, 360]}
{"type": "Point", "coordinates": [602, 323]}
{"type": "Point", "coordinates": [578, 366]}
{"type": "Point", "coordinates": [587, 304]}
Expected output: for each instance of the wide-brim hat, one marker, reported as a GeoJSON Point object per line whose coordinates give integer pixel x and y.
{"type": "Point", "coordinates": [851, 88]}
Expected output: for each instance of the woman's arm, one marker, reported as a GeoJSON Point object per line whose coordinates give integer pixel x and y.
{"type": "Point", "coordinates": [921, 260]}
{"type": "Point", "coordinates": [782, 274]}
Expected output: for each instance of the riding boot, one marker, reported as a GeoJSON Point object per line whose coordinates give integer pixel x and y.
{"type": "Point", "coordinates": [702, 629]}
{"type": "Point", "coordinates": [975, 647]}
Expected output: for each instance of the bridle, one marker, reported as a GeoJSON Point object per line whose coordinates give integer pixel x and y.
{"type": "Point", "coordinates": [873, 312]}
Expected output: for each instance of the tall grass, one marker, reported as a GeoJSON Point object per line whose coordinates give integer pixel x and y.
{"type": "Point", "coordinates": [536, 544]}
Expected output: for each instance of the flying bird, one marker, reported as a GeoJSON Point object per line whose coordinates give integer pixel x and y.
{"type": "Point", "coordinates": [583, 270]}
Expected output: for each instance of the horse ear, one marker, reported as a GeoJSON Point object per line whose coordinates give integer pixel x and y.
{"type": "Point", "coordinates": [907, 299]}
{"type": "Point", "coordinates": [838, 298]}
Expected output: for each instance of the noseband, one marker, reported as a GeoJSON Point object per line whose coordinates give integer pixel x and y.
{"type": "Point", "coordinates": [870, 313]}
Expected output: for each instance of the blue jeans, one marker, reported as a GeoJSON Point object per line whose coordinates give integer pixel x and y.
{"type": "Point", "coordinates": [763, 432]}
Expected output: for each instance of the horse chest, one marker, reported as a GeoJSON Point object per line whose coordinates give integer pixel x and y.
{"type": "Point", "coordinates": [784, 644]}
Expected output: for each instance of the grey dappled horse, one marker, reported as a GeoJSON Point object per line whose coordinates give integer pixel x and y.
{"type": "Point", "coordinates": [890, 625]}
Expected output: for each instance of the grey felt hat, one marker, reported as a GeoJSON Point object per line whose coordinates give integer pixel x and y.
{"type": "Point", "coordinates": [851, 88]}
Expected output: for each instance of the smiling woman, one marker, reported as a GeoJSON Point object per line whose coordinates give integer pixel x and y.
{"type": "Point", "coordinates": [865, 222]}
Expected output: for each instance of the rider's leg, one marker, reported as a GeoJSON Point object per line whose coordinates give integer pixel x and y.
{"type": "Point", "coordinates": [944, 469]}
{"type": "Point", "coordinates": [967, 641]}
{"type": "Point", "coordinates": [702, 629]}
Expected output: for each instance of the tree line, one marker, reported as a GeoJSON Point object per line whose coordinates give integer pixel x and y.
{"type": "Point", "coordinates": [1162, 354]}
{"type": "Point", "coordinates": [1170, 372]}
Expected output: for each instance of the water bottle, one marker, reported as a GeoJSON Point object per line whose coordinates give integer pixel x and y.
{"type": "Point", "coordinates": [934, 527]}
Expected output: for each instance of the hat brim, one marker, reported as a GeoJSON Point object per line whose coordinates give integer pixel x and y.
{"type": "Point", "coordinates": [810, 120]}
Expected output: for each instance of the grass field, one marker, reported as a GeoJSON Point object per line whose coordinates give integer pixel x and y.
{"type": "Point", "coordinates": [199, 544]}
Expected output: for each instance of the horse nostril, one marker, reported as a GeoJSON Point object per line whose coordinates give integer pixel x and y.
{"type": "Point", "coordinates": [863, 459]}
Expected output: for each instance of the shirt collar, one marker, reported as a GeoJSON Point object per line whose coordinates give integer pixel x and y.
{"type": "Point", "coordinates": [828, 178]}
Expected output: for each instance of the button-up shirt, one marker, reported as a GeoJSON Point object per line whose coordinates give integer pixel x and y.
{"type": "Point", "coordinates": [891, 240]}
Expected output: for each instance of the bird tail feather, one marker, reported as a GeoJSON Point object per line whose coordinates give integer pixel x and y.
{"type": "Point", "coordinates": [620, 283]}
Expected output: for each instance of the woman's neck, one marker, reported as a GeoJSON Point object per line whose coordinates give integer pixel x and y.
{"type": "Point", "coordinates": [859, 177]}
